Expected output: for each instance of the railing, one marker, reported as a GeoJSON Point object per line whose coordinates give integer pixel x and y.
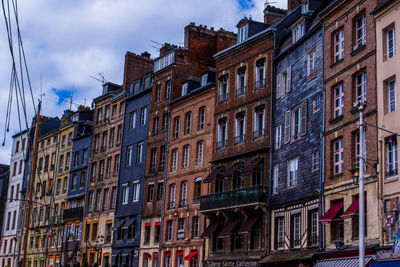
{"type": "Point", "coordinates": [221, 144]}
{"type": "Point", "coordinates": [391, 173]}
{"type": "Point", "coordinates": [223, 97]}
{"type": "Point", "coordinates": [171, 205]}
{"type": "Point", "coordinates": [259, 84]}
{"type": "Point", "coordinates": [258, 133]}
{"type": "Point", "coordinates": [183, 203]}
{"type": "Point", "coordinates": [239, 139]}
{"type": "Point", "coordinates": [240, 91]}
{"type": "Point", "coordinates": [73, 213]}
{"type": "Point", "coordinates": [257, 194]}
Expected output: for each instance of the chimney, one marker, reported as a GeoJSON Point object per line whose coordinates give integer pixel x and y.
{"type": "Point", "coordinates": [135, 67]}
{"type": "Point", "coordinates": [271, 14]}
{"type": "Point", "coordinates": [292, 4]}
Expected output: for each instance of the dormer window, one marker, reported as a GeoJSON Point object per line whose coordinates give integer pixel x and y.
{"type": "Point", "coordinates": [305, 6]}
{"type": "Point", "coordinates": [298, 32]}
{"type": "Point", "coordinates": [243, 33]}
{"type": "Point", "coordinates": [184, 89]}
{"type": "Point", "coordinates": [136, 88]}
{"type": "Point", "coordinates": [204, 79]}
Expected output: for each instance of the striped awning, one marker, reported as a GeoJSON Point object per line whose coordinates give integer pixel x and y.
{"type": "Point", "coordinates": [344, 262]}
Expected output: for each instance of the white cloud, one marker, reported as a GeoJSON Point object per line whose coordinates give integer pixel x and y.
{"type": "Point", "coordinates": [66, 41]}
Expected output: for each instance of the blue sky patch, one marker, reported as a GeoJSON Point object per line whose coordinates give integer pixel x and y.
{"type": "Point", "coordinates": [246, 4]}
{"type": "Point", "coordinates": [62, 94]}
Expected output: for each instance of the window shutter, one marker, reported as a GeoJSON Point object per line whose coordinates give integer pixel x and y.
{"type": "Point", "coordinates": [80, 232]}
{"type": "Point", "coordinates": [287, 126]}
{"type": "Point", "coordinates": [304, 118]}
{"type": "Point", "coordinates": [288, 79]}
{"type": "Point", "coordinates": [278, 86]}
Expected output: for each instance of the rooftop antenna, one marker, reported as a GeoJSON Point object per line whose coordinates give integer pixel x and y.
{"type": "Point", "coordinates": [158, 47]}
{"type": "Point", "coordinates": [102, 80]}
{"type": "Point", "coordinates": [267, 3]}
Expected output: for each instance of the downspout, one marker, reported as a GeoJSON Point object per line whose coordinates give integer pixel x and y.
{"type": "Point", "coordinates": [322, 152]}
{"type": "Point", "coordinates": [380, 194]}
{"type": "Point", "coordinates": [165, 176]}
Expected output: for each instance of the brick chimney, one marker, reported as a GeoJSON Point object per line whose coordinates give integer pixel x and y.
{"type": "Point", "coordinates": [292, 4]}
{"type": "Point", "coordinates": [271, 14]}
{"type": "Point", "coordinates": [135, 67]}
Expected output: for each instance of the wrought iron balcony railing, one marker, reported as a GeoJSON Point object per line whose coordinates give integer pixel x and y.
{"type": "Point", "coordinates": [259, 84]}
{"type": "Point", "coordinates": [240, 91]}
{"type": "Point", "coordinates": [243, 196]}
{"type": "Point", "coordinates": [223, 97]}
{"type": "Point", "coordinates": [221, 144]}
{"type": "Point", "coordinates": [239, 139]}
{"type": "Point", "coordinates": [258, 133]}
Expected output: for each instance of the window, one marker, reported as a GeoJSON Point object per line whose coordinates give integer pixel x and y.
{"type": "Point", "coordinates": [132, 120]}
{"type": "Point", "coordinates": [107, 112]}
{"type": "Point", "coordinates": [184, 89]}
{"type": "Point", "coordinates": [360, 32]}
{"type": "Point", "coordinates": [298, 32]}
{"type": "Point", "coordinates": [204, 79]}
{"type": "Point", "coordinates": [129, 155]}
{"type": "Point", "coordinates": [183, 194]}
{"type": "Point", "coordinates": [284, 82]}
{"type": "Point", "coordinates": [139, 154]}
{"type": "Point", "coordinates": [390, 43]}
{"type": "Point", "coordinates": [278, 137]}
{"type": "Point", "coordinates": [172, 190]}
{"type": "Point", "coordinates": [85, 156]}
{"type": "Point", "coordinates": [202, 117]}
{"type": "Point", "coordinates": [296, 230]}
{"type": "Point", "coordinates": [174, 163]}
{"type": "Point", "coordinates": [168, 260]}
{"type": "Point", "coordinates": [136, 191]}
{"type": "Point", "coordinates": [82, 179]}
{"type": "Point", "coordinates": [391, 95]}
{"type": "Point", "coordinates": [188, 122]}
{"type": "Point", "coordinates": [157, 231]}
{"type": "Point", "coordinates": [147, 230]}
{"type": "Point", "coordinates": [176, 127]}
{"type": "Point", "coordinates": [280, 232]}
{"type": "Point", "coordinates": [158, 93]}
{"type": "Point", "coordinates": [338, 109]}
{"type": "Point", "coordinates": [197, 190]}
{"type": "Point", "coordinates": [311, 62]}
{"type": "Point", "coordinates": [155, 125]}
{"type": "Point", "coordinates": [305, 6]}
{"type": "Point", "coordinates": [114, 111]}
{"type": "Point", "coordinates": [73, 181]}
{"type": "Point", "coordinates": [150, 192]}
{"type": "Point", "coordinates": [313, 227]}
{"type": "Point", "coordinates": [200, 152]}
{"type": "Point", "coordinates": [223, 89]}
{"type": "Point", "coordinates": [337, 225]}
{"type": "Point", "coordinates": [94, 231]}
{"type": "Point", "coordinates": [168, 91]}
{"type": "Point", "coordinates": [17, 147]}
{"type": "Point", "coordinates": [222, 133]}
{"type": "Point", "coordinates": [317, 104]}
{"type": "Point", "coordinates": [153, 159]}
{"type": "Point", "coordinates": [8, 220]}
{"type": "Point", "coordinates": [338, 156]}
{"type": "Point", "coordinates": [356, 146]}
{"type": "Point", "coordinates": [296, 123]}
{"type": "Point", "coordinates": [361, 86]}
{"type": "Point", "coordinates": [113, 197]}
{"type": "Point", "coordinates": [108, 169]}
{"type": "Point", "coordinates": [160, 191]}
{"type": "Point", "coordinates": [104, 143]}
{"type": "Point", "coordinates": [162, 158]}
{"type": "Point", "coordinates": [125, 193]}
{"type": "Point", "coordinates": [98, 199]}
{"type": "Point", "coordinates": [143, 114]}
{"type": "Point", "coordinates": [275, 181]}
{"type": "Point", "coordinates": [165, 121]}
{"type": "Point", "coordinates": [12, 193]}
{"type": "Point", "coordinates": [293, 172]}
{"type": "Point", "coordinates": [243, 33]}
{"type": "Point", "coordinates": [186, 153]}
{"type": "Point", "coordinates": [90, 200]}
{"type": "Point", "coordinates": [93, 171]}
{"type": "Point", "coordinates": [315, 161]}
{"type": "Point", "coordinates": [96, 142]}
{"type": "Point", "coordinates": [170, 230]}
{"type": "Point", "coordinates": [101, 169]}
{"type": "Point", "coordinates": [116, 164]}
{"type": "Point", "coordinates": [106, 199]}
{"type": "Point", "coordinates": [260, 74]}
{"type": "Point", "coordinates": [339, 45]}
{"type": "Point", "coordinates": [181, 228]}
{"type": "Point", "coordinates": [241, 81]}
{"type": "Point", "coordinates": [119, 135]}
{"type": "Point", "coordinates": [391, 157]}
{"type": "Point", "coordinates": [240, 128]}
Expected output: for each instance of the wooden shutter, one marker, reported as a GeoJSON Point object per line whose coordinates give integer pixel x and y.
{"type": "Point", "coordinates": [304, 118]}
{"type": "Point", "coordinates": [288, 79]}
{"type": "Point", "coordinates": [287, 126]}
{"type": "Point", "coordinates": [278, 85]}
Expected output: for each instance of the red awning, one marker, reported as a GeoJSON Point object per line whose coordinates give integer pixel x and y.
{"type": "Point", "coordinates": [155, 255]}
{"type": "Point", "coordinates": [157, 223]}
{"type": "Point", "coordinates": [213, 174]}
{"type": "Point", "coordinates": [249, 223]}
{"type": "Point", "coordinates": [228, 227]}
{"type": "Point", "coordinates": [191, 254]}
{"type": "Point", "coordinates": [179, 253]}
{"type": "Point", "coordinates": [331, 213]}
{"type": "Point", "coordinates": [233, 168]}
{"type": "Point", "coordinates": [351, 210]}
{"type": "Point", "coordinates": [167, 254]}
{"type": "Point", "coordinates": [147, 224]}
{"type": "Point", "coordinates": [252, 164]}
{"type": "Point", "coordinates": [210, 229]}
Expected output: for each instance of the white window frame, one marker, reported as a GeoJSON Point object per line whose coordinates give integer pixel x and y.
{"type": "Point", "coordinates": [124, 193]}
{"type": "Point", "coordinates": [143, 115]}
{"type": "Point", "coordinates": [278, 136]}
{"type": "Point", "coordinates": [186, 156]}
{"type": "Point", "coordinates": [389, 42]}
{"type": "Point", "coordinates": [200, 152]}
{"type": "Point", "coordinates": [129, 155]}
{"type": "Point", "coordinates": [317, 104]}
{"type": "Point", "coordinates": [311, 62]}
{"type": "Point", "coordinates": [243, 33]}
{"type": "Point", "coordinates": [132, 120]}
{"type": "Point", "coordinates": [204, 79]}
{"type": "Point", "coordinates": [184, 89]}
{"type": "Point", "coordinates": [275, 180]}
{"type": "Point", "coordinates": [391, 159]}
{"type": "Point", "coordinates": [315, 160]}
{"type": "Point", "coordinates": [392, 103]}
{"type": "Point", "coordinates": [136, 191]}
{"type": "Point", "coordinates": [139, 155]}
{"type": "Point", "coordinates": [293, 172]}
{"type": "Point", "coordinates": [338, 156]}
{"type": "Point", "coordinates": [174, 164]}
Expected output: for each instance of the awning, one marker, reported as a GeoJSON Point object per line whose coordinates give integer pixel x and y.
{"type": "Point", "coordinates": [179, 253]}
{"type": "Point", "coordinates": [190, 255]}
{"type": "Point", "coordinates": [347, 262]}
{"type": "Point", "coordinates": [249, 223]}
{"type": "Point", "coordinates": [115, 252]}
{"type": "Point", "coordinates": [228, 227]}
{"type": "Point", "coordinates": [157, 223]}
{"type": "Point", "coordinates": [331, 213]}
{"type": "Point", "coordinates": [155, 255]}
{"type": "Point", "coordinates": [233, 168]}
{"type": "Point", "coordinates": [147, 224]}
{"type": "Point", "coordinates": [168, 253]}
{"type": "Point", "coordinates": [291, 256]}
{"type": "Point", "coordinates": [351, 210]}
{"type": "Point", "coordinates": [386, 263]}
{"type": "Point", "coordinates": [128, 223]}
{"type": "Point", "coordinates": [118, 224]}
{"type": "Point", "coordinates": [252, 164]}
{"type": "Point", "coordinates": [211, 229]}
{"type": "Point", "coordinates": [213, 174]}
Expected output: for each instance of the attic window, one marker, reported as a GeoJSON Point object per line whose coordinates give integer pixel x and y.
{"type": "Point", "coordinates": [243, 33]}
{"type": "Point", "coordinates": [184, 89]}
{"type": "Point", "coordinates": [204, 79]}
{"type": "Point", "coordinates": [305, 6]}
{"type": "Point", "coordinates": [298, 32]}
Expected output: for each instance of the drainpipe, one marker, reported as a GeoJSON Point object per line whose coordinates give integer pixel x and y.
{"type": "Point", "coordinates": [322, 153]}
{"type": "Point", "coordinates": [380, 192]}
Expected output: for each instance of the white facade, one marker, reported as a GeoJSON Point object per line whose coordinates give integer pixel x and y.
{"type": "Point", "coordinates": [8, 249]}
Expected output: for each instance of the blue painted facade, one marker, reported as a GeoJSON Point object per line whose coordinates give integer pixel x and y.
{"type": "Point", "coordinates": [126, 242]}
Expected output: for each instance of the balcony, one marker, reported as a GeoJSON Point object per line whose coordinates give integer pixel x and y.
{"type": "Point", "coordinates": [221, 144]}
{"type": "Point", "coordinates": [73, 213]}
{"type": "Point", "coordinates": [239, 197]}
{"type": "Point", "coordinates": [259, 84]}
{"type": "Point", "coordinates": [258, 133]}
{"type": "Point", "coordinates": [241, 91]}
{"type": "Point", "coordinates": [223, 97]}
{"type": "Point", "coordinates": [240, 139]}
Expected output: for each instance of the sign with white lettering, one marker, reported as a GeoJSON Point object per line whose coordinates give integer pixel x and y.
{"type": "Point", "coordinates": [230, 263]}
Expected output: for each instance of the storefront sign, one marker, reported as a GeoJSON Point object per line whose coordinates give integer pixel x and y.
{"type": "Point", "coordinates": [230, 263]}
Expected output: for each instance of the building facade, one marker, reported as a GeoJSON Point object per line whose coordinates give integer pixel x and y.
{"type": "Point", "coordinates": [12, 204]}
{"type": "Point", "coordinates": [127, 225]}
{"type": "Point", "coordinates": [237, 185]}
{"type": "Point", "coordinates": [350, 77]}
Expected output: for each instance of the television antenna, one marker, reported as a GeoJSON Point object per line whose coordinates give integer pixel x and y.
{"type": "Point", "coordinates": [102, 80]}
{"type": "Point", "coordinates": [267, 3]}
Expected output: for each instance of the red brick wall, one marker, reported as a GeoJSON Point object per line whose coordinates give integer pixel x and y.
{"type": "Point", "coordinates": [135, 67]}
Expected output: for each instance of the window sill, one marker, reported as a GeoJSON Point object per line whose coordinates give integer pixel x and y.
{"type": "Point", "coordinates": [391, 179]}
{"type": "Point", "coordinates": [335, 176]}
{"type": "Point", "coordinates": [336, 63]}
{"type": "Point", "coordinates": [336, 119]}
{"type": "Point", "coordinates": [358, 50]}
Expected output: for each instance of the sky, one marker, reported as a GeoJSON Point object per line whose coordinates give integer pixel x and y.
{"type": "Point", "coordinates": [67, 41]}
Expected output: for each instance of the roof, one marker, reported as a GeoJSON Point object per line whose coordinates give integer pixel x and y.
{"type": "Point", "coordinates": [344, 262]}
{"type": "Point", "coordinates": [382, 6]}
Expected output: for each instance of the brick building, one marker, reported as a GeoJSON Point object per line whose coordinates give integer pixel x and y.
{"type": "Point", "coordinates": [103, 175]}
{"type": "Point", "coordinates": [236, 197]}
{"type": "Point", "coordinates": [350, 76]}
